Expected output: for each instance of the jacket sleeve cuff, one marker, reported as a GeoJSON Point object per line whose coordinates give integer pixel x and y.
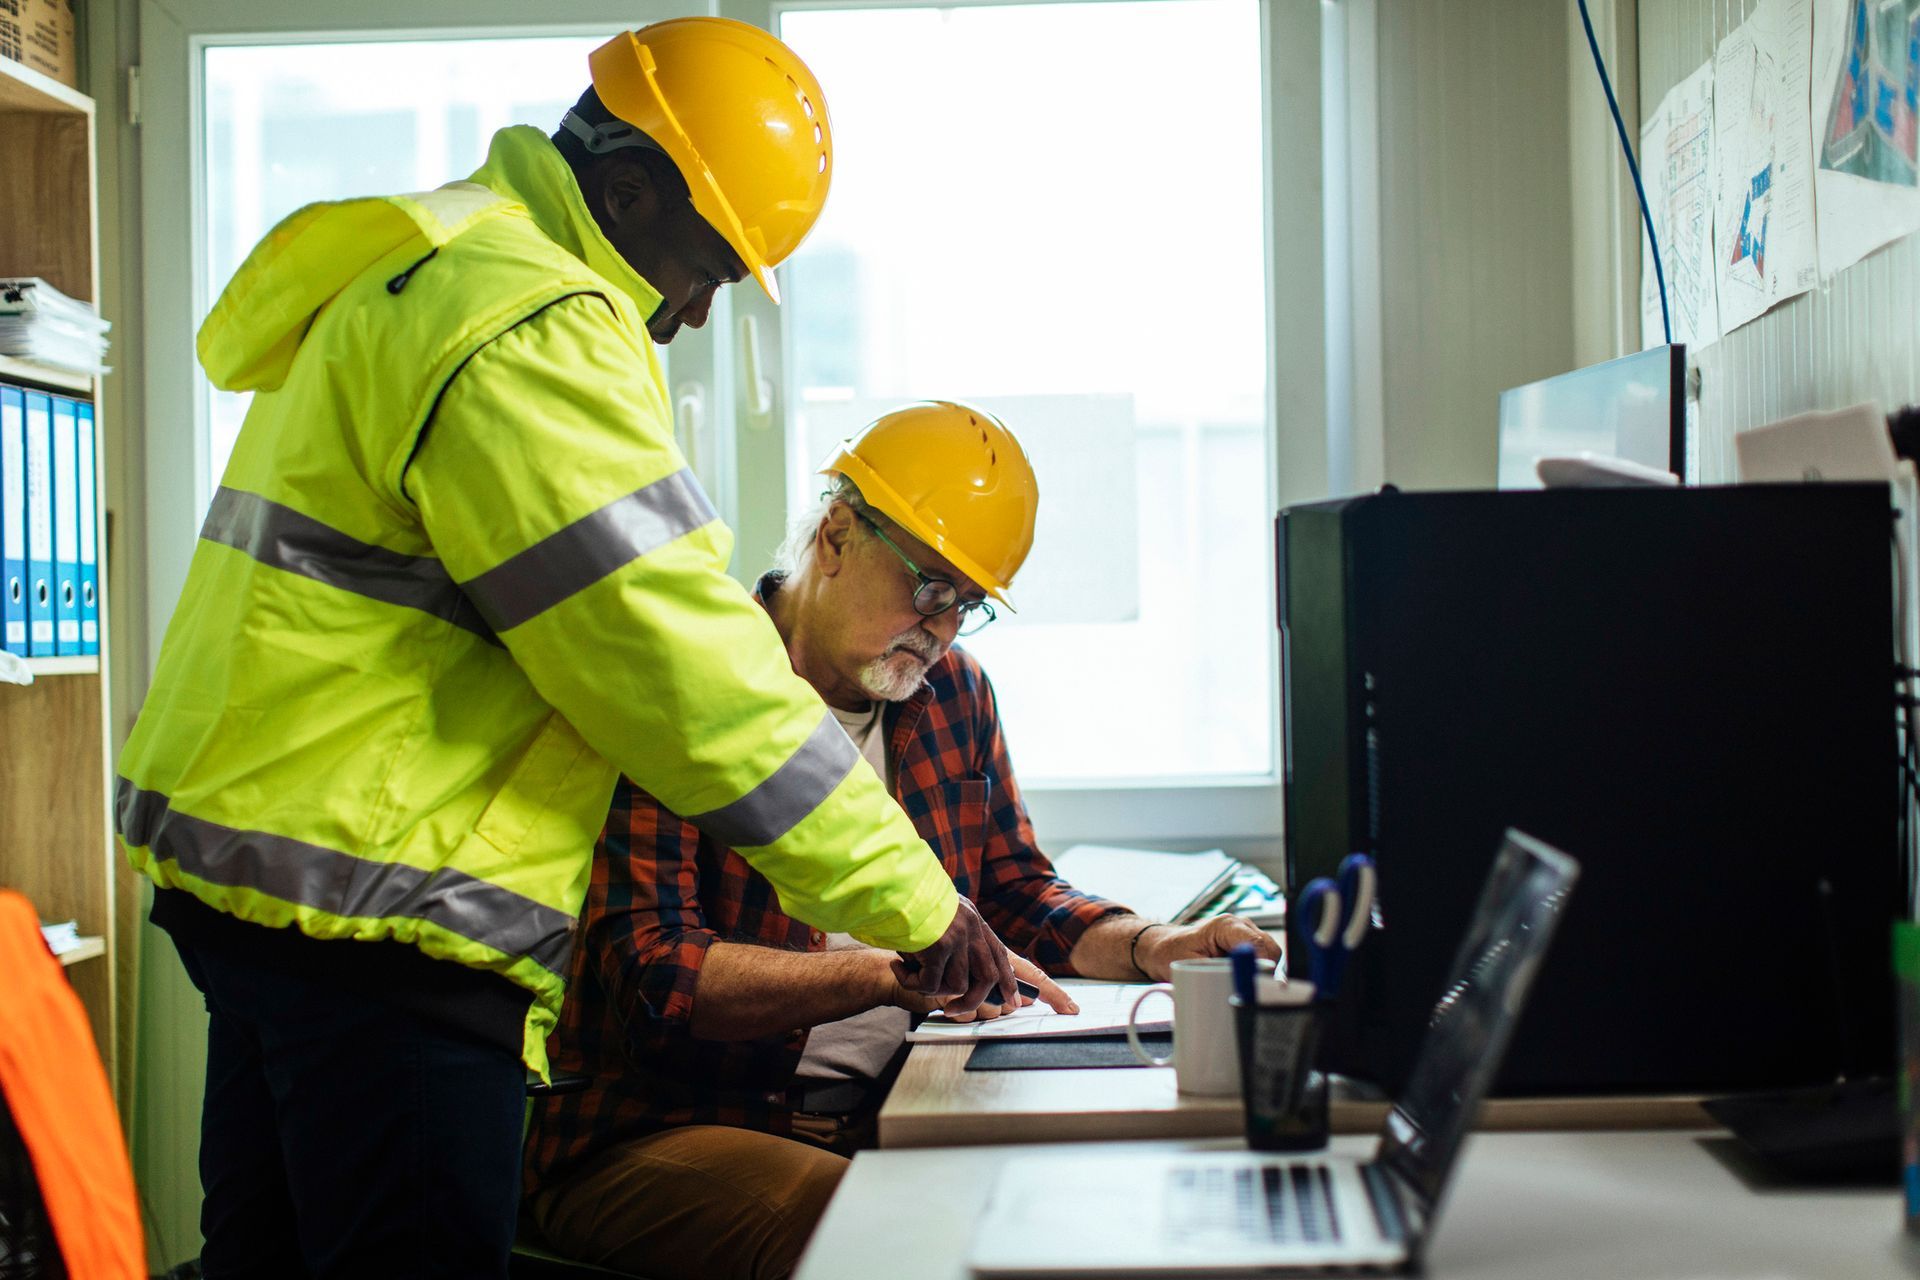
{"type": "Point", "coordinates": [924, 919]}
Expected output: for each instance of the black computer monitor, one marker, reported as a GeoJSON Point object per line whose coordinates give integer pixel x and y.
{"type": "Point", "coordinates": [1632, 408]}
{"type": "Point", "coordinates": [1684, 688]}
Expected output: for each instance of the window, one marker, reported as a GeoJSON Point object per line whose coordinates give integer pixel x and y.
{"type": "Point", "coordinates": [1057, 211]}
{"type": "Point", "coordinates": [289, 124]}
{"type": "Point", "coordinates": [1075, 213]}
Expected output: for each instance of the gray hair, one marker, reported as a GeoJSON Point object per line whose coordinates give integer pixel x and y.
{"type": "Point", "coordinates": [795, 555]}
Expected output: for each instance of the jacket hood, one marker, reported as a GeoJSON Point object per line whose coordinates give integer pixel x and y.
{"type": "Point", "coordinates": [249, 338]}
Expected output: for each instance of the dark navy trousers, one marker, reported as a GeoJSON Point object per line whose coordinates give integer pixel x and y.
{"type": "Point", "coordinates": [346, 1136]}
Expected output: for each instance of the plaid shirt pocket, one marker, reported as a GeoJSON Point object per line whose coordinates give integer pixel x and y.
{"type": "Point", "coordinates": [956, 827]}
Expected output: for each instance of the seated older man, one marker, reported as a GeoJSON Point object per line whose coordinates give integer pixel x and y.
{"type": "Point", "coordinates": [734, 1052]}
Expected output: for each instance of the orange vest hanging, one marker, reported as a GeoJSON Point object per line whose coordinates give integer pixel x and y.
{"type": "Point", "coordinates": [57, 1092]}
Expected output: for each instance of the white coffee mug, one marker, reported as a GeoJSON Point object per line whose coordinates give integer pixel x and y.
{"type": "Point", "coordinates": [1204, 1059]}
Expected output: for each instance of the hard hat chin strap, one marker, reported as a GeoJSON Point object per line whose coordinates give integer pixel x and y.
{"type": "Point", "coordinates": [615, 135]}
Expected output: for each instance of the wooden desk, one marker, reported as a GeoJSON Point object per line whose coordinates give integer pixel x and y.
{"type": "Point", "coordinates": [1573, 1206]}
{"type": "Point", "coordinates": [936, 1102]}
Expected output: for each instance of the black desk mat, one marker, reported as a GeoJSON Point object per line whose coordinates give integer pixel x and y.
{"type": "Point", "coordinates": [1039, 1053]}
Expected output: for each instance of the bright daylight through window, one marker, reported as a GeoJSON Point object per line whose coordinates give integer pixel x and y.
{"type": "Point", "coordinates": [290, 124]}
{"type": "Point", "coordinates": [1055, 210]}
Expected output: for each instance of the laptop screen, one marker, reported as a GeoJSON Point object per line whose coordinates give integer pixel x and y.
{"type": "Point", "coordinates": [1467, 1034]}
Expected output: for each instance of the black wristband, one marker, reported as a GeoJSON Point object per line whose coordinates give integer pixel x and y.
{"type": "Point", "coordinates": [1133, 946]}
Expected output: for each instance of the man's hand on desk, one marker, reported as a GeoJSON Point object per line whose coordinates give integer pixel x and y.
{"type": "Point", "coordinates": [1051, 992]}
{"type": "Point", "coordinates": [1127, 948]}
{"type": "Point", "coordinates": [1165, 943]}
{"type": "Point", "coordinates": [966, 964]}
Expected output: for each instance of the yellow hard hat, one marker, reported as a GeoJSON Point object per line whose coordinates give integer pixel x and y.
{"type": "Point", "coordinates": [741, 117]}
{"type": "Point", "coordinates": [954, 477]}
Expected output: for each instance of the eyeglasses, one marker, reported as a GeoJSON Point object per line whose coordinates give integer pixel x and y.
{"type": "Point", "coordinates": [934, 596]}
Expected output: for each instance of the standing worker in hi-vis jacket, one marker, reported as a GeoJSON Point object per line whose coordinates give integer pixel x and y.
{"type": "Point", "coordinates": [457, 578]}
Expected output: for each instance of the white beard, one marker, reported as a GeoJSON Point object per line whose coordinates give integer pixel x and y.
{"type": "Point", "coordinates": [892, 677]}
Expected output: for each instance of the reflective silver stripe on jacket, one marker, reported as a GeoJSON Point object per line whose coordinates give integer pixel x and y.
{"type": "Point", "coordinates": [793, 791]}
{"type": "Point", "coordinates": [286, 539]}
{"type": "Point", "coordinates": [343, 885]}
{"type": "Point", "coordinates": [535, 580]}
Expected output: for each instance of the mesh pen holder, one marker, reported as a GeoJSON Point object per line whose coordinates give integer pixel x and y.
{"type": "Point", "coordinates": [1285, 1097]}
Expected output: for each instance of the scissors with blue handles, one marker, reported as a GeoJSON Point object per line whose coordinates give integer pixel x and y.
{"type": "Point", "coordinates": [1335, 918]}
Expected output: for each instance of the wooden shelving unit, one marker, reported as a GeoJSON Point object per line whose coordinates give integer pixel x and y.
{"type": "Point", "coordinates": [45, 375]}
{"type": "Point", "coordinates": [88, 949]}
{"type": "Point", "coordinates": [55, 831]}
{"type": "Point", "coordinates": [86, 666]}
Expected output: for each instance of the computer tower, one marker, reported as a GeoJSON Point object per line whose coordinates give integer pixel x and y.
{"type": "Point", "coordinates": [1690, 690]}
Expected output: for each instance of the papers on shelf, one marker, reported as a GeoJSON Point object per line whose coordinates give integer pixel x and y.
{"type": "Point", "coordinates": [39, 323]}
{"type": "Point", "coordinates": [63, 937]}
{"type": "Point", "coordinates": [1103, 1008]}
{"type": "Point", "coordinates": [1156, 885]}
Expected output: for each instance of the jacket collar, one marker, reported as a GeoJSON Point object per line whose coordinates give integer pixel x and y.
{"type": "Point", "coordinates": [524, 165]}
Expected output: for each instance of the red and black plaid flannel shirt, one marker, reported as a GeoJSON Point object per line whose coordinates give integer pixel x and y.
{"type": "Point", "coordinates": [661, 894]}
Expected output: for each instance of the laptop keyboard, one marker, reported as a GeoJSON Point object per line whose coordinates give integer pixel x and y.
{"type": "Point", "coordinates": [1275, 1204]}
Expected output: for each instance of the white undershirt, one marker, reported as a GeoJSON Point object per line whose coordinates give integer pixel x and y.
{"type": "Point", "coordinates": [857, 1048]}
{"type": "Point", "coordinates": [864, 727]}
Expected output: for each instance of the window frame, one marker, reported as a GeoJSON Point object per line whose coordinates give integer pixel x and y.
{"type": "Point", "coordinates": [1240, 812]}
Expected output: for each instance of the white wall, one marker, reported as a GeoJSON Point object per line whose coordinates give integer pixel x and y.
{"type": "Point", "coordinates": [1472, 242]}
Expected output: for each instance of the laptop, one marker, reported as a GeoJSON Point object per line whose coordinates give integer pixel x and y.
{"type": "Point", "coordinates": [1244, 1213]}
{"type": "Point", "coordinates": [1846, 444]}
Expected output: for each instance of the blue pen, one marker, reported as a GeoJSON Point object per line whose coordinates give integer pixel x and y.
{"type": "Point", "coordinates": [1242, 958]}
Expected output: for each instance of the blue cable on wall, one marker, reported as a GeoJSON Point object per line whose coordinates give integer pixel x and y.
{"type": "Point", "coordinates": [1633, 167]}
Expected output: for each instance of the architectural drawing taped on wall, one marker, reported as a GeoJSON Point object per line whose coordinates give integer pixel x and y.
{"type": "Point", "coordinates": [1866, 99]}
{"type": "Point", "coordinates": [1676, 152]}
{"type": "Point", "coordinates": [1871, 122]}
{"type": "Point", "coordinates": [1763, 213]}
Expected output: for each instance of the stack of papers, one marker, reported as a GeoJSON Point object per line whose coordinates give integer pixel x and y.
{"type": "Point", "coordinates": [41, 324]}
{"type": "Point", "coordinates": [61, 938]}
{"type": "Point", "coordinates": [1174, 887]}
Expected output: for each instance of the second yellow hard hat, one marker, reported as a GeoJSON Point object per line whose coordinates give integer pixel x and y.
{"type": "Point", "coordinates": [954, 477]}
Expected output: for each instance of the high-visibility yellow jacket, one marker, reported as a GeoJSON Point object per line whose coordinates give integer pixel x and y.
{"type": "Point", "coordinates": [456, 576]}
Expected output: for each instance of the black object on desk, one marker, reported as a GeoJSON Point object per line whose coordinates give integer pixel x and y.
{"type": "Point", "coordinates": [1690, 690]}
{"type": "Point", "coordinates": [1845, 1131]}
{"type": "Point", "coordinates": [1042, 1053]}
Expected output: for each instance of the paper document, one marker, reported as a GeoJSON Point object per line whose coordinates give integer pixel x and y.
{"type": "Point", "coordinates": [1156, 885]}
{"type": "Point", "coordinates": [62, 937]}
{"type": "Point", "coordinates": [1866, 126]}
{"type": "Point", "coordinates": [1676, 161]}
{"type": "Point", "coordinates": [38, 322]}
{"type": "Point", "coordinates": [1103, 1007]}
{"type": "Point", "coordinates": [1763, 220]}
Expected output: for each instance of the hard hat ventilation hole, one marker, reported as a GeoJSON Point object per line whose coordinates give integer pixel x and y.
{"type": "Point", "coordinates": [816, 135]}
{"type": "Point", "coordinates": [823, 163]}
{"type": "Point", "coordinates": [806, 105]}
{"type": "Point", "coordinates": [993, 458]}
